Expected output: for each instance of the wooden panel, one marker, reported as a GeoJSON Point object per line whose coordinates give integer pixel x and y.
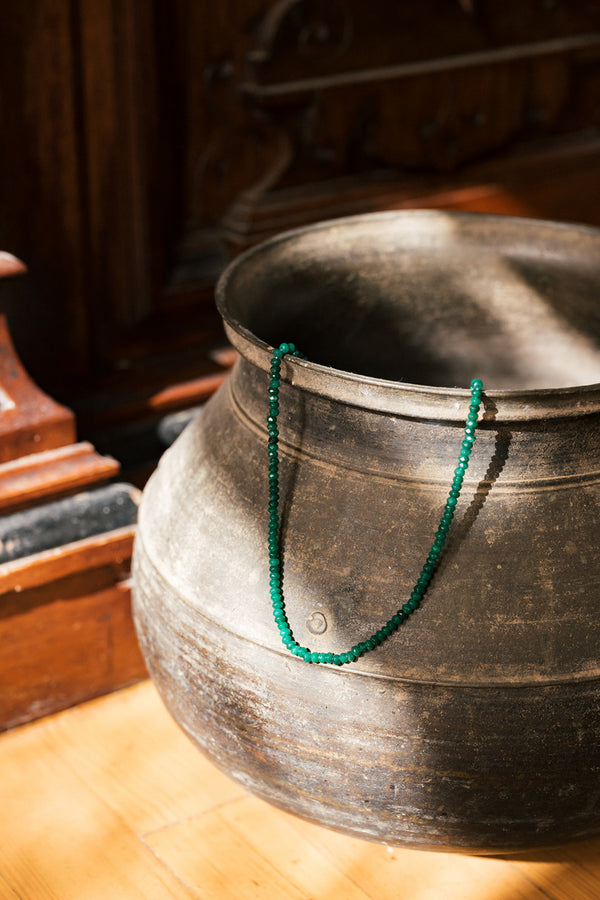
{"type": "Point", "coordinates": [42, 219]}
{"type": "Point", "coordinates": [66, 632]}
{"type": "Point", "coordinates": [342, 96]}
{"type": "Point", "coordinates": [158, 139]}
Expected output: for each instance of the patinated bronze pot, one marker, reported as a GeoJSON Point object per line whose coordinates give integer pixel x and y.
{"type": "Point", "coordinates": [477, 725]}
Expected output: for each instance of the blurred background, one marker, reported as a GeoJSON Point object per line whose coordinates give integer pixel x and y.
{"type": "Point", "coordinates": [147, 143]}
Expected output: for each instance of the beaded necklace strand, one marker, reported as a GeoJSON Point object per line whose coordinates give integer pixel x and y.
{"type": "Point", "coordinates": [275, 577]}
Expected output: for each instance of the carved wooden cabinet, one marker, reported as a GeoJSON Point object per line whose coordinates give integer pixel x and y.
{"type": "Point", "coordinates": [152, 141]}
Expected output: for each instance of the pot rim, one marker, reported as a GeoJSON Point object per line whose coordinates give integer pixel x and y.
{"type": "Point", "coordinates": [405, 398]}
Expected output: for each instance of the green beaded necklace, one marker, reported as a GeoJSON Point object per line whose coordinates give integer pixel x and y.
{"type": "Point", "coordinates": [418, 592]}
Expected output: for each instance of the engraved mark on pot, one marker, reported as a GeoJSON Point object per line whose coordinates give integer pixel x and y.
{"type": "Point", "coordinates": [316, 623]}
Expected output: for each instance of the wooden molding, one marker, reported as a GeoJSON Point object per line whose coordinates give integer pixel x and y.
{"type": "Point", "coordinates": [52, 473]}
{"type": "Point", "coordinates": [66, 633]}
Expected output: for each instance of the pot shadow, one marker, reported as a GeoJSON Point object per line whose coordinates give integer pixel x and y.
{"type": "Point", "coordinates": [497, 462]}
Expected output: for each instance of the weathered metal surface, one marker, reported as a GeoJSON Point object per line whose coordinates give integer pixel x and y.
{"type": "Point", "coordinates": [476, 726]}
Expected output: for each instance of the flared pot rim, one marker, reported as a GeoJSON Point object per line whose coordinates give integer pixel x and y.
{"type": "Point", "coordinates": [405, 398]}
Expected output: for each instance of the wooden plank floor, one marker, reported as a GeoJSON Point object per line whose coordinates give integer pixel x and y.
{"type": "Point", "coordinates": [109, 800]}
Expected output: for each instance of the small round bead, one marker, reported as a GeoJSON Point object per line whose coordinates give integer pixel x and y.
{"type": "Point", "coordinates": [477, 384]}
{"type": "Point", "coordinates": [313, 658]}
{"type": "Point", "coordinates": [284, 349]}
{"type": "Point", "coordinates": [277, 353]}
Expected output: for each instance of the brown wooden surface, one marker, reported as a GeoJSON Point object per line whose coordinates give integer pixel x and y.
{"type": "Point", "coordinates": [65, 627]}
{"type": "Point", "coordinates": [109, 799]}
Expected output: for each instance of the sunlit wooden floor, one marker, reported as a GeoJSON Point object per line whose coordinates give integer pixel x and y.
{"type": "Point", "coordinates": [109, 800]}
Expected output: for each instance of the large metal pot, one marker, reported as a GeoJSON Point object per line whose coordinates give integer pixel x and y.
{"type": "Point", "coordinates": [477, 725]}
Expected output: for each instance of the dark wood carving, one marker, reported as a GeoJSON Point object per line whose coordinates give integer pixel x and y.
{"type": "Point", "coordinates": [325, 101]}
{"type": "Point", "coordinates": [156, 140]}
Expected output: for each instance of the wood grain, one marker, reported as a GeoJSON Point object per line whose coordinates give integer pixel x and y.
{"type": "Point", "coordinates": [66, 632]}
{"type": "Point", "coordinates": [110, 799]}
{"type": "Point", "coordinates": [53, 473]}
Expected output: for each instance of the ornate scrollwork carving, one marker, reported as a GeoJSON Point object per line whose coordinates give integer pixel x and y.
{"type": "Point", "coordinates": [308, 30]}
{"type": "Point", "coordinates": [322, 90]}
